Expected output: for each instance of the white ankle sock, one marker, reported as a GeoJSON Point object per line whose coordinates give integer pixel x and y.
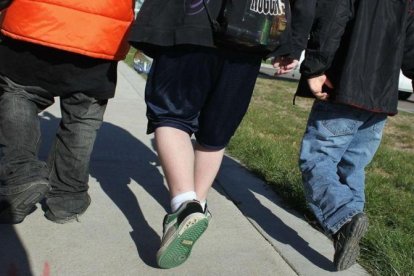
{"type": "Point", "coordinates": [180, 199]}
{"type": "Point", "coordinates": [203, 204]}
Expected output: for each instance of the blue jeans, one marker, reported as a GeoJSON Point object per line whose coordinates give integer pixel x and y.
{"type": "Point", "coordinates": [339, 142]}
{"type": "Point", "coordinates": [67, 168]}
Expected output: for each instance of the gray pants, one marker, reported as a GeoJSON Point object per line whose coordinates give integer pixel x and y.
{"type": "Point", "coordinates": [67, 168]}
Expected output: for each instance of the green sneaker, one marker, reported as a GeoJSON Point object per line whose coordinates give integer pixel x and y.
{"type": "Point", "coordinates": [181, 230]}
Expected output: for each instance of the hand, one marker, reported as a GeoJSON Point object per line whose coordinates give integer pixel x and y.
{"type": "Point", "coordinates": [284, 65]}
{"type": "Point", "coordinates": [316, 84]}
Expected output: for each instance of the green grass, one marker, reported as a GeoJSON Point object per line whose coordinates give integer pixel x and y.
{"type": "Point", "coordinates": [129, 59]}
{"type": "Point", "coordinates": [268, 142]}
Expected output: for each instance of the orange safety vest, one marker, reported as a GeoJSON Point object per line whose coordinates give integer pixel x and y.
{"type": "Point", "coordinates": [95, 28]}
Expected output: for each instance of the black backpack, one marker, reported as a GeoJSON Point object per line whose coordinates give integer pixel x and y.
{"type": "Point", "coordinates": [251, 25]}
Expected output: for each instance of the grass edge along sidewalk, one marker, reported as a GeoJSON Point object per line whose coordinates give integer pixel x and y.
{"type": "Point", "coordinates": [268, 142]}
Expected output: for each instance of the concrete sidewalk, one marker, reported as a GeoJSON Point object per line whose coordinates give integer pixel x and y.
{"type": "Point", "coordinates": [252, 232]}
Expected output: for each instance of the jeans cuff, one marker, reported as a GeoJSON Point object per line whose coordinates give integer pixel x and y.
{"type": "Point", "coordinates": [341, 219]}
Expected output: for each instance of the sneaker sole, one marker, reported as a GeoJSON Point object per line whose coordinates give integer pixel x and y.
{"type": "Point", "coordinates": [178, 249]}
{"type": "Point", "coordinates": [68, 219]}
{"type": "Point", "coordinates": [24, 203]}
{"type": "Point", "coordinates": [350, 252]}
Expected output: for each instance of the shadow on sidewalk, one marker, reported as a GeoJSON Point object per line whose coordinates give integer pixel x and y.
{"type": "Point", "coordinates": [13, 257]}
{"type": "Point", "coordinates": [242, 192]}
{"type": "Point", "coordinates": [114, 181]}
{"type": "Point", "coordinates": [132, 161]}
{"type": "Point", "coordinates": [135, 161]}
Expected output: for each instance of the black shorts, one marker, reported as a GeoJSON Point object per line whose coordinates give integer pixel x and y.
{"type": "Point", "coordinates": [200, 90]}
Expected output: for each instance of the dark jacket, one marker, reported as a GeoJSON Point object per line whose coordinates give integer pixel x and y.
{"type": "Point", "coordinates": [303, 13]}
{"type": "Point", "coordinates": [361, 45]}
{"type": "Point", "coordinates": [163, 23]}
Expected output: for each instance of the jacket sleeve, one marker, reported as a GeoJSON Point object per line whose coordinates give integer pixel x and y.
{"type": "Point", "coordinates": [408, 59]}
{"type": "Point", "coordinates": [4, 4]}
{"type": "Point", "coordinates": [331, 19]}
{"type": "Point", "coordinates": [285, 46]}
{"type": "Point", "coordinates": [303, 13]}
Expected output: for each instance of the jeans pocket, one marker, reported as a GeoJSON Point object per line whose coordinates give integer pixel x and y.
{"type": "Point", "coordinates": [340, 126]}
{"type": "Point", "coordinates": [336, 118]}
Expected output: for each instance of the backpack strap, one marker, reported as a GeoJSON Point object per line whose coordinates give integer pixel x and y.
{"type": "Point", "coordinates": [215, 25]}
